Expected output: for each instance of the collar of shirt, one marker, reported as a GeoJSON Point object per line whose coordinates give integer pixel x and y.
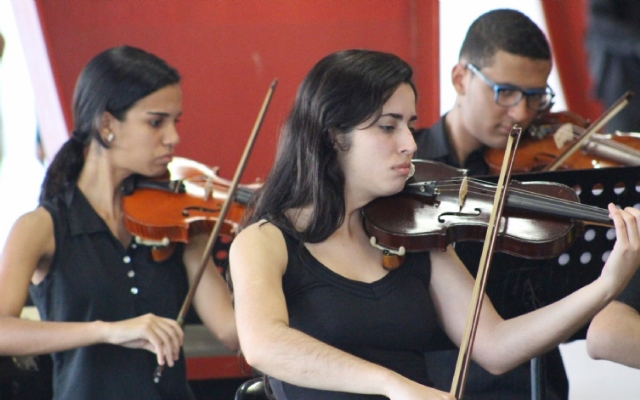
{"type": "Point", "coordinates": [433, 144]}
{"type": "Point", "coordinates": [82, 217]}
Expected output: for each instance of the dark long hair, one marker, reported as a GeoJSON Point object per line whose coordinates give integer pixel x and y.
{"type": "Point", "coordinates": [507, 30]}
{"type": "Point", "coordinates": [112, 81]}
{"type": "Point", "coordinates": [342, 91]}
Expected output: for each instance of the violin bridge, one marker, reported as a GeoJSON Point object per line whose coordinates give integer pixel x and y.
{"type": "Point", "coordinates": [208, 188]}
{"type": "Point", "coordinates": [462, 194]}
{"type": "Point", "coordinates": [563, 135]}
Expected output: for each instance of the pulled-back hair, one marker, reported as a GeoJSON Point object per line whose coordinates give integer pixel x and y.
{"type": "Point", "coordinates": [506, 30]}
{"type": "Point", "coordinates": [112, 81]}
{"type": "Point", "coordinates": [341, 91]}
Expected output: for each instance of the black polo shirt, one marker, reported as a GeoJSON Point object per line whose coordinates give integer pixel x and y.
{"type": "Point", "coordinates": [94, 277]}
{"type": "Point", "coordinates": [433, 144]}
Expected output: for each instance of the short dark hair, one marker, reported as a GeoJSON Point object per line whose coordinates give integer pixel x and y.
{"type": "Point", "coordinates": [341, 91]}
{"type": "Point", "coordinates": [112, 81]}
{"type": "Point", "coordinates": [507, 30]}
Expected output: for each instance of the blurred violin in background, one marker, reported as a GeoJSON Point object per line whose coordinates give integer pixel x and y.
{"type": "Point", "coordinates": [186, 201]}
{"type": "Point", "coordinates": [552, 133]}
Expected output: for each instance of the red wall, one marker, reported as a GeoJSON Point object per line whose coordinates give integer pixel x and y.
{"type": "Point", "coordinates": [228, 52]}
{"type": "Point", "coordinates": [566, 22]}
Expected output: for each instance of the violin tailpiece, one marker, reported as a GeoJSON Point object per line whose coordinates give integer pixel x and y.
{"type": "Point", "coordinates": [391, 259]}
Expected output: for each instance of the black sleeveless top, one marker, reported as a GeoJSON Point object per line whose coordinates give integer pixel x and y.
{"type": "Point", "coordinates": [388, 322]}
{"type": "Point", "coordinates": [93, 277]}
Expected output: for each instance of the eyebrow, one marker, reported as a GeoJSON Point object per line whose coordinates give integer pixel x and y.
{"type": "Point", "coordinates": [161, 113]}
{"type": "Point", "coordinates": [398, 116]}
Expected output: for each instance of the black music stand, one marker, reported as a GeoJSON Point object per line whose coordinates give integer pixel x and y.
{"type": "Point", "coordinates": [519, 286]}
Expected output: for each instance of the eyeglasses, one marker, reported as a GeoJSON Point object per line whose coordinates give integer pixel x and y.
{"type": "Point", "coordinates": [510, 95]}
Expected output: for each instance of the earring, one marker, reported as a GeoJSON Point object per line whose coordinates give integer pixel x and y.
{"type": "Point", "coordinates": [110, 137]}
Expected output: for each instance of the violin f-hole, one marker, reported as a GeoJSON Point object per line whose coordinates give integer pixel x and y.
{"type": "Point", "coordinates": [459, 214]}
{"type": "Point", "coordinates": [185, 211]}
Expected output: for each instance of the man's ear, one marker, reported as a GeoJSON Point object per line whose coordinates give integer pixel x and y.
{"type": "Point", "coordinates": [459, 78]}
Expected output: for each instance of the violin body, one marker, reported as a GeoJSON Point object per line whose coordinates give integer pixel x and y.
{"type": "Point", "coordinates": [156, 213]}
{"type": "Point", "coordinates": [423, 222]}
{"type": "Point", "coordinates": [539, 148]}
{"type": "Point", "coordinates": [173, 217]}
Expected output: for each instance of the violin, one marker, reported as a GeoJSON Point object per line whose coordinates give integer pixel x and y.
{"type": "Point", "coordinates": [441, 205]}
{"type": "Point", "coordinates": [186, 201]}
{"type": "Point", "coordinates": [551, 133]}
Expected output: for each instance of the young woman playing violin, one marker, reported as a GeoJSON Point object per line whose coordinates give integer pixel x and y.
{"type": "Point", "coordinates": [316, 310]}
{"type": "Point", "coordinates": [107, 309]}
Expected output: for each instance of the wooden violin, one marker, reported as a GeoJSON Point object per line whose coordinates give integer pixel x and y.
{"type": "Point", "coordinates": [441, 205]}
{"type": "Point", "coordinates": [187, 202]}
{"type": "Point", "coordinates": [551, 134]}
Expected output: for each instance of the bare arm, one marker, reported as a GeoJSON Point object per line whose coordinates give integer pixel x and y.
{"type": "Point", "coordinates": [212, 298]}
{"type": "Point", "coordinates": [29, 248]}
{"type": "Point", "coordinates": [501, 345]}
{"type": "Point", "coordinates": [613, 335]}
{"type": "Point", "coordinates": [258, 262]}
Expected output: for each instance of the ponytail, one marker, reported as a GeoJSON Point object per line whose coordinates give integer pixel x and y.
{"type": "Point", "coordinates": [64, 170]}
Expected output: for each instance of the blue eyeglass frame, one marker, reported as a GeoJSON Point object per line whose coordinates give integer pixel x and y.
{"type": "Point", "coordinates": [497, 87]}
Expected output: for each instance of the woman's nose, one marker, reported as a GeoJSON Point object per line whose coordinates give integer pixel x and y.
{"type": "Point", "coordinates": [171, 137]}
{"type": "Point", "coordinates": [408, 144]}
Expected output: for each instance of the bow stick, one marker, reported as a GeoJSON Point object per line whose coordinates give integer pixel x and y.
{"type": "Point", "coordinates": [223, 213]}
{"type": "Point", "coordinates": [466, 346]}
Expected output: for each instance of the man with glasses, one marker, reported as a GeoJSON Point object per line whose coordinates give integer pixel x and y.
{"type": "Point", "coordinates": [500, 80]}
{"type": "Point", "coordinates": [507, 95]}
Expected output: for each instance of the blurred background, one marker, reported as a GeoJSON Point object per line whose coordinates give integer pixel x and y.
{"type": "Point", "coordinates": [228, 52]}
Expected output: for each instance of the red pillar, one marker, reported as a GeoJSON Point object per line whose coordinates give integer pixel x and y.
{"type": "Point", "coordinates": [566, 23]}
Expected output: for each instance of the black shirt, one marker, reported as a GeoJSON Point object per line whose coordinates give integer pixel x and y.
{"type": "Point", "coordinates": [433, 144]}
{"type": "Point", "coordinates": [93, 277]}
{"type": "Point", "coordinates": [388, 322]}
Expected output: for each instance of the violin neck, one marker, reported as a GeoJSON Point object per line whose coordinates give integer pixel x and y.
{"type": "Point", "coordinates": [522, 200]}
{"type": "Point", "coordinates": [242, 194]}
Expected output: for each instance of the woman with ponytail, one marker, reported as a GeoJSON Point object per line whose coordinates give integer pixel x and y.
{"type": "Point", "coordinates": [107, 308]}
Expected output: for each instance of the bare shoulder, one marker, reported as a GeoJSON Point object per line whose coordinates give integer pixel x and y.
{"type": "Point", "coordinates": [33, 229]}
{"type": "Point", "coordinates": [26, 258]}
{"type": "Point", "coordinates": [258, 245]}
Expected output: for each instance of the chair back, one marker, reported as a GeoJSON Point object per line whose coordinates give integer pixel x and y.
{"type": "Point", "coordinates": [254, 389]}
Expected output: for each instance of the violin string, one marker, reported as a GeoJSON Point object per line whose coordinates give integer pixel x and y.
{"type": "Point", "coordinates": [552, 203]}
{"type": "Point", "coordinates": [556, 202]}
